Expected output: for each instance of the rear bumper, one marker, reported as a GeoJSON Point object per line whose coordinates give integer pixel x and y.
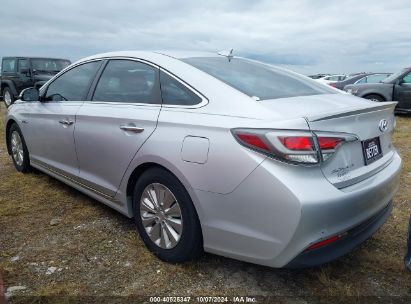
{"type": "Point", "coordinates": [351, 239]}
{"type": "Point", "coordinates": [278, 211]}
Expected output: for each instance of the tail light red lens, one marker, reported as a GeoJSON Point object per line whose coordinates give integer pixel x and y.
{"type": "Point", "coordinates": [295, 146]}
{"type": "Point", "coordinates": [334, 85]}
{"type": "Point", "coordinates": [299, 143]}
{"type": "Point", "coordinates": [327, 143]}
{"type": "Point", "coordinates": [253, 140]}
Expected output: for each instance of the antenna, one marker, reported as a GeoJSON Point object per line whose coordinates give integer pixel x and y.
{"type": "Point", "coordinates": [228, 54]}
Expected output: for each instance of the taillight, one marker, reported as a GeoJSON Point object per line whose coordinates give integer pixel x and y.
{"type": "Point", "coordinates": [327, 143]}
{"type": "Point", "coordinates": [253, 140]}
{"type": "Point", "coordinates": [333, 84]}
{"type": "Point", "coordinates": [293, 146]}
{"type": "Point", "coordinates": [299, 143]}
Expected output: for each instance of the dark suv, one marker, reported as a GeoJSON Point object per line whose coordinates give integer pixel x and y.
{"type": "Point", "coordinates": [19, 73]}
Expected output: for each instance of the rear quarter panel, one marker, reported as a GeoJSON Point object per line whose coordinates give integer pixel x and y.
{"type": "Point", "coordinates": [227, 162]}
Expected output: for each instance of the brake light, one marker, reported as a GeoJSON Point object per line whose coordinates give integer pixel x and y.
{"type": "Point", "coordinates": [333, 84]}
{"type": "Point", "coordinates": [295, 146]}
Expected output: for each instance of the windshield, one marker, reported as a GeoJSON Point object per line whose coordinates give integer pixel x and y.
{"type": "Point", "coordinates": [49, 65]}
{"type": "Point", "coordinates": [394, 76]}
{"type": "Point", "coordinates": [257, 79]}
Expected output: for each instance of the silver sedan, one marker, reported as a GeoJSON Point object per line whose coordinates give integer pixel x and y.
{"type": "Point", "coordinates": [214, 153]}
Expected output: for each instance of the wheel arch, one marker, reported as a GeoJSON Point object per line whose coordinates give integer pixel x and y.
{"type": "Point", "coordinates": [8, 84]}
{"type": "Point", "coordinates": [376, 94]}
{"type": "Point", "coordinates": [135, 175]}
{"type": "Point", "coordinates": [3, 85]}
{"type": "Point", "coordinates": [143, 167]}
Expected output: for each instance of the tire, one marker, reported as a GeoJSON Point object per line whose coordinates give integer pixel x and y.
{"type": "Point", "coordinates": [374, 97]}
{"type": "Point", "coordinates": [8, 97]}
{"type": "Point", "coordinates": [177, 207]}
{"type": "Point", "coordinates": [18, 148]}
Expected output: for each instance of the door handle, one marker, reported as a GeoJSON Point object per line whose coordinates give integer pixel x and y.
{"type": "Point", "coordinates": [66, 122]}
{"type": "Point", "coordinates": [133, 129]}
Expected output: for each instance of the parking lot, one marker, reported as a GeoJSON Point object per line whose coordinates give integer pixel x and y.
{"type": "Point", "coordinates": [56, 241]}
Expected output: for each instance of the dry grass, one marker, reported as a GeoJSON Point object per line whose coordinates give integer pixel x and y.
{"type": "Point", "coordinates": [97, 251]}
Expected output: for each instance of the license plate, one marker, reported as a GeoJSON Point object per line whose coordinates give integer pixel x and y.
{"type": "Point", "coordinates": [372, 150]}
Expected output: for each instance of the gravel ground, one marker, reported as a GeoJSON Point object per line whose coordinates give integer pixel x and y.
{"type": "Point", "coordinates": [61, 245]}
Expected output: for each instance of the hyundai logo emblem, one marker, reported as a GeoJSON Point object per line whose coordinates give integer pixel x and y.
{"type": "Point", "coordinates": [383, 125]}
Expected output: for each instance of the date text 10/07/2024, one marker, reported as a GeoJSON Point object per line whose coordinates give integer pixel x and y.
{"type": "Point", "coordinates": [203, 299]}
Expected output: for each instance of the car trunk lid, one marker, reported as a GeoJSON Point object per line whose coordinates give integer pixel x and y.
{"type": "Point", "coordinates": [339, 113]}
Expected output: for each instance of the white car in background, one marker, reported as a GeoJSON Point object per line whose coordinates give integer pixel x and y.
{"type": "Point", "coordinates": [332, 78]}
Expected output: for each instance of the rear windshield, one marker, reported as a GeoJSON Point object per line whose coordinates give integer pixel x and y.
{"type": "Point", "coordinates": [49, 65]}
{"type": "Point", "coordinates": [257, 79]}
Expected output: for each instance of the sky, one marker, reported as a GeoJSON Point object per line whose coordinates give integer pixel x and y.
{"type": "Point", "coordinates": [306, 36]}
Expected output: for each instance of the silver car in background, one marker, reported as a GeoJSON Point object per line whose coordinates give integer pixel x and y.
{"type": "Point", "coordinates": [215, 153]}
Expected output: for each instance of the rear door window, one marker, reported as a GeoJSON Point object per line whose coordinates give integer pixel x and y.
{"type": "Point", "coordinates": [127, 81]}
{"type": "Point", "coordinates": [375, 78]}
{"type": "Point", "coordinates": [23, 65]}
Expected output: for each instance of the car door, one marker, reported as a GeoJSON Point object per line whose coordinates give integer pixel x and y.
{"type": "Point", "coordinates": [119, 117]}
{"type": "Point", "coordinates": [402, 92]}
{"type": "Point", "coordinates": [48, 125]}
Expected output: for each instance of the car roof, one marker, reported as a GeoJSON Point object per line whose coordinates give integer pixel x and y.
{"type": "Point", "coordinates": [152, 54]}
{"type": "Point", "coordinates": [188, 54]}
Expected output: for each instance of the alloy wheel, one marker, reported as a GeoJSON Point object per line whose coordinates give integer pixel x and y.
{"type": "Point", "coordinates": [161, 216]}
{"type": "Point", "coordinates": [7, 98]}
{"type": "Point", "coordinates": [17, 148]}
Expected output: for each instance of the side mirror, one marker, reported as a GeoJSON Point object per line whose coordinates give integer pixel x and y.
{"type": "Point", "coordinates": [400, 81]}
{"type": "Point", "coordinates": [29, 94]}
